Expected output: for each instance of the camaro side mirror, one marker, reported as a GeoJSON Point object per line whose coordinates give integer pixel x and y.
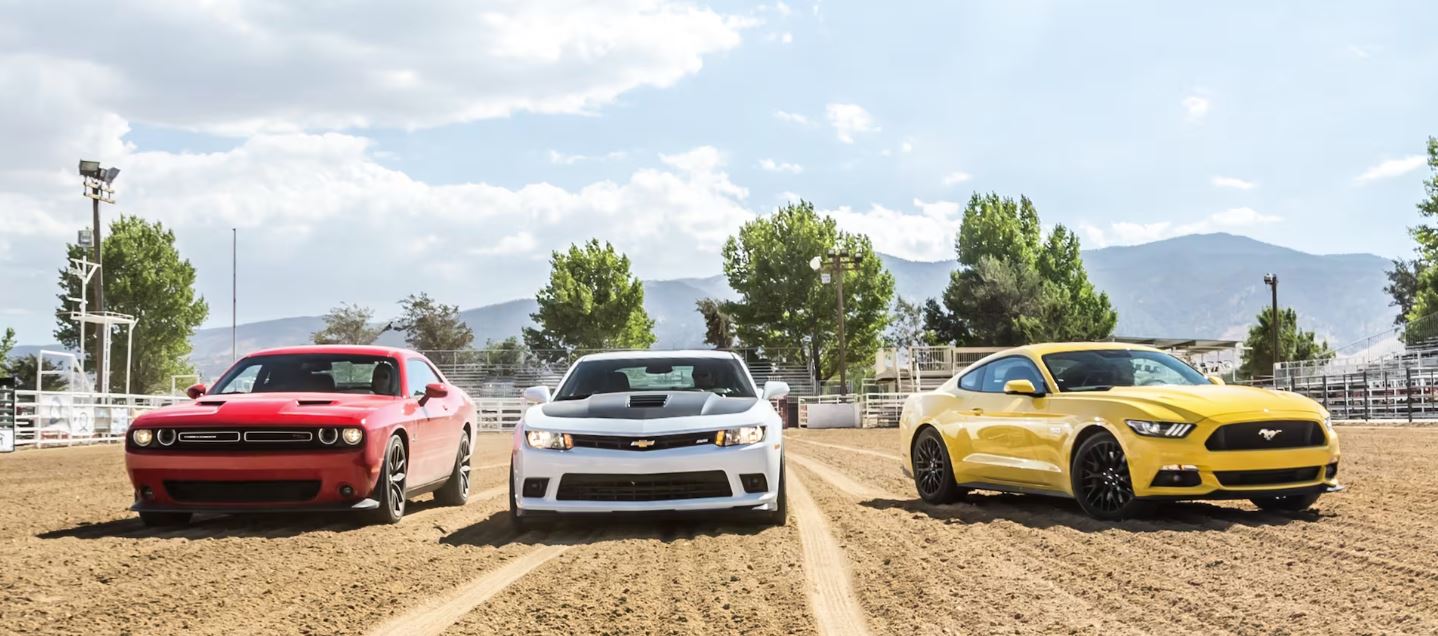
{"type": "Point", "coordinates": [196, 390]}
{"type": "Point", "coordinates": [1214, 379]}
{"type": "Point", "coordinates": [1021, 387]}
{"type": "Point", "coordinates": [537, 395]}
{"type": "Point", "coordinates": [775, 389]}
{"type": "Point", "coordinates": [433, 390]}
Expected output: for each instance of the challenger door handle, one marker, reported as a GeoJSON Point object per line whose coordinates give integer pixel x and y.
{"type": "Point", "coordinates": [977, 411]}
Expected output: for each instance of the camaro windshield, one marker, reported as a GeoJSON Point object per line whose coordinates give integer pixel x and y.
{"type": "Point", "coordinates": [311, 373]}
{"type": "Point", "coordinates": [721, 376]}
{"type": "Point", "coordinates": [1103, 369]}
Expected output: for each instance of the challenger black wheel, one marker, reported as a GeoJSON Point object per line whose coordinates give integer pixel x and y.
{"type": "Point", "coordinates": [933, 473]}
{"type": "Point", "coordinates": [1286, 503]}
{"type": "Point", "coordinates": [456, 491]}
{"type": "Point", "coordinates": [390, 489]}
{"type": "Point", "coordinates": [1101, 481]}
{"type": "Point", "coordinates": [162, 519]}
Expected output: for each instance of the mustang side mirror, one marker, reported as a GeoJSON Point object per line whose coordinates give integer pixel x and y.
{"type": "Point", "coordinates": [775, 389]}
{"type": "Point", "coordinates": [1022, 387]}
{"type": "Point", "coordinates": [1214, 379]}
{"type": "Point", "coordinates": [433, 390]}
{"type": "Point", "coordinates": [196, 390]}
{"type": "Point", "coordinates": [537, 395]}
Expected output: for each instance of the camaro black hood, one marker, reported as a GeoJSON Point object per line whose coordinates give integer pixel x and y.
{"type": "Point", "coordinates": [648, 405]}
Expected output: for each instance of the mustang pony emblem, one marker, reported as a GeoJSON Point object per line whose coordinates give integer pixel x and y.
{"type": "Point", "coordinates": [1268, 433]}
{"type": "Point", "coordinates": [642, 443]}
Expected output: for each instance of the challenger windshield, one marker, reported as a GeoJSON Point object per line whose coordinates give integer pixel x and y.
{"type": "Point", "coordinates": [721, 376]}
{"type": "Point", "coordinates": [1103, 369]}
{"type": "Point", "coordinates": [311, 373]}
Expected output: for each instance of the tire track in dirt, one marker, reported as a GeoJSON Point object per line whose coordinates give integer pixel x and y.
{"type": "Point", "coordinates": [851, 449]}
{"type": "Point", "coordinates": [826, 571]}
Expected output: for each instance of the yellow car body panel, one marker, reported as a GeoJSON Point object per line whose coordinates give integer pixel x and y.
{"type": "Point", "coordinates": [1025, 444]}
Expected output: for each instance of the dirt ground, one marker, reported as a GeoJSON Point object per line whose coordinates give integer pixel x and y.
{"type": "Point", "coordinates": [860, 554]}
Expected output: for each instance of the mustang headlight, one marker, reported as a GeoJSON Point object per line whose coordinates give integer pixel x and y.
{"type": "Point", "coordinates": [1159, 429]}
{"type": "Point", "coordinates": [741, 436]}
{"type": "Point", "coordinates": [549, 440]}
{"type": "Point", "coordinates": [142, 436]}
{"type": "Point", "coordinates": [1328, 423]}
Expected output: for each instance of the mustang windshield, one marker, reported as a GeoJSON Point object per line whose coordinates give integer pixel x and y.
{"type": "Point", "coordinates": [311, 373]}
{"type": "Point", "coordinates": [721, 376]}
{"type": "Point", "coordinates": [1103, 369]}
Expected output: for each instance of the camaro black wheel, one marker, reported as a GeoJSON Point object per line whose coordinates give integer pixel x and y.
{"type": "Point", "coordinates": [780, 515]}
{"type": "Point", "coordinates": [1101, 481]}
{"type": "Point", "coordinates": [161, 519]}
{"type": "Point", "coordinates": [933, 473]}
{"type": "Point", "coordinates": [1286, 503]}
{"type": "Point", "coordinates": [390, 489]}
{"type": "Point", "coordinates": [456, 491]}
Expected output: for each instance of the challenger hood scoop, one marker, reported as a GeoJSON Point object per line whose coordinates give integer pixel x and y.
{"type": "Point", "coordinates": [648, 405]}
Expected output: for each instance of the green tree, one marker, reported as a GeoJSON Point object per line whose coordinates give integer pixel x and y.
{"type": "Point", "coordinates": [1294, 343]}
{"type": "Point", "coordinates": [509, 352]}
{"type": "Point", "coordinates": [432, 326]}
{"type": "Point", "coordinates": [7, 344]}
{"type": "Point", "coordinates": [1015, 286]}
{"type": "Point", "coordinates": [146, 277]}
{"type": "Point", "coordinates": [1403, 286]}
{"type": "Point", "coordinates": [782, 301]}
{"type": "Point", "coordinates": [1421, 317]}
{"type": "Point", "coordinates": [718, 323]}
{"type": "Point", "coordinates": [348, 324]}
{"type": "Point", "coordinates": [592, 301]}
{"type": "Point", "coordinates": [22, 369]}
{"type": "Point", "coordinates": [906, 325]}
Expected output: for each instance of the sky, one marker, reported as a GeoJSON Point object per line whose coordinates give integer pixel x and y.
{"type": "Point", "coordinates": [369, 150]}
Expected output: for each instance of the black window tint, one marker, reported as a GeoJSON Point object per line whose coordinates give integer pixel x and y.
{"type": "Point", "coordinates": [1000, 372]}
{"type": "Point", "coordinates": [971, 380]}
{"type": "Point", "coordinates": [418, 375]}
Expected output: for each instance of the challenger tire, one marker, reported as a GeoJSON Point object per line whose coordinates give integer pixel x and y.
{"type": "Point", "coordinates": [456, 491]}
{"type": "Point", "coordinates": [389, 490]}
{"type": "Point", "coordinates": [1102, 483]}
{"type": "Point", "coordinates": [933, 471]}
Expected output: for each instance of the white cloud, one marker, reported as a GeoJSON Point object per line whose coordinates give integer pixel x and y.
{"type": "Point", "coordinates": [782, 9]}
{"type": "Point", "coordinates": [1359, 52]}
{"type": "Point", "coordinates": [793, 118]}
{"type": "Point", "coordinates": [906, 147]}
{"type": "Point", "coordinates": [849, 120]}
{"type": "Point", "coordinates": [1131, 232]}
{"type": "Point", "coordinates": [1391, 168]}
{"type": "Point", "coordinates": [927, 234]}
{"type": "Point", "coordinates": [955, 178]}
{"type": "Point", "coordinates": [562, 159]}
{"type": "Point", "coordinates": [780, 166]}
{"type": "Point", "coordinates": [1233, 182]}
{"type": "Point", "coordinates": [1196, 107]}
{"type": "Point", "coordinates": [787, 38]}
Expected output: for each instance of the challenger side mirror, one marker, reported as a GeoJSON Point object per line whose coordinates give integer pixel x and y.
{"type": "Point", "coordinates": [196, 390]}
{"type": "Point", "coordinates": [1022, 387]}
{"type": "Point", "coordinates": [775, 389]}
{"type": "Point", "coordinates": [537, 395]}
{"type": "Point", "coordinates": [433, 390]}
{"type": "Point", "coordinates": [1215, 379]}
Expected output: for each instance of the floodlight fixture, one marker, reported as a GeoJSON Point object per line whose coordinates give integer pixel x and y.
{"type": "Point", "coordinates": [109, 174]}
{"type": "Point", "coordinates": [89, 168]}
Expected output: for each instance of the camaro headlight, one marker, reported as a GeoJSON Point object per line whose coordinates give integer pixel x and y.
{"type": "Point", "coordinates": [549, 439]}
{"type": "Point", "coordinates": [142, 436]}
{"type": "Point", "coordinates": [742, 436]}
{"type": "Point", "coordinates": [352, 436]}
{"type": "Point", "coordinates": [1159, 429]}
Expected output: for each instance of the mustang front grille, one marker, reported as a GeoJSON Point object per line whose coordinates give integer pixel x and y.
{"type": "Point", "coordinates": [242, 491]}
{"type": "Point", "coordinates": [655, 487]}
{"type": "Point", "coordinates": [650, 443]}
{"type": "Point", "coordinates": [1266, 436]}
{"type": "Point", "coordinates": [1266, 477]}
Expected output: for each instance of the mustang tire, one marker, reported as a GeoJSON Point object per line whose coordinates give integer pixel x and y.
{"type": "Point", "coordinates": [933, 471]}
{"type": "Point", "coordinates": [163, 519]}
{"type": "Point", "coordinates": [1102, 483]}
{"type": "Point", "coordinates": [456, 491]}
{"type": "Point", "coordinates": [390, 488]}
{"type": "Point", "coordinates": [1287, 503]}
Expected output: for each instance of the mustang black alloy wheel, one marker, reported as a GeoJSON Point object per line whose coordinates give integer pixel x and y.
{"type": "Point", "coordinates": [1101, 480]}
{"type": "Point", "coordinates": [933, 474]}
{"type": "Point", "coordinates": [390, 489]}
{"type": "Point", "coordinates": [456, 491]}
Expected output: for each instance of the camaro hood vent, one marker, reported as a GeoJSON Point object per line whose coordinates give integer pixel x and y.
{"type": "Point", "coordinates": [648, 401]}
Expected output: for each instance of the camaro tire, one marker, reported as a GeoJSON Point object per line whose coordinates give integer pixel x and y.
{"type": "Point", "coordinates": [162, 519]}
{"type": "Point", "coordinates": [456, 491]}
{"type": "Point", "coordinates": [517, 520]}
{"type": "Point", "coordinates": [1102, 483]}
{"type": "Point", "coordinates": [933, 471]}
{"type": "Point", "coordinates": [1286, 503]}
{"type": "Point", "coordinates": [780, 514]}
{"type": "Point", "coordinates": [390, 489]}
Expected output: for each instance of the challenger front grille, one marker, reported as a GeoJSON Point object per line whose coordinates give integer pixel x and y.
{"type": "Point", "coordinates": [653, 487]}
{"type": "Point", "coordinates": [1266, 477]}
{"type": "Point", "coordinates": [237, 439]}
{"type": "Point", "coordinates": [650, 443]}
{"type": "Point", "coordinates": [242, 491]}
{"type": "Point", "coordinates": [1266, 436]}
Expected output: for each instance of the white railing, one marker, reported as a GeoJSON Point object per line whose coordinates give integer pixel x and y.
{"type": "Point", "coordinates": [497, 414]}
{"type": "Point", "coordinates": [67, 418]}
{"type": "Point", "coordinates": [882, 410]}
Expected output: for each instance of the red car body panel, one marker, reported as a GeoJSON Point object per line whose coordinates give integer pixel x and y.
{"type": "Point", "coordinates": [431, 432]}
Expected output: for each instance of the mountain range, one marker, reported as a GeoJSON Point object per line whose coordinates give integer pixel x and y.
{"type": "Point", "coordinates": [1196, 286]}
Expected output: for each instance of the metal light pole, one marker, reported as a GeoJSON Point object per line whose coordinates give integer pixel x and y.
{"type": "Point", "coordinates": [234, 293]}
{"type": "Point", "coordinates": [98, 182]}
{"type": "Point", "coordinates": [1272, 281]}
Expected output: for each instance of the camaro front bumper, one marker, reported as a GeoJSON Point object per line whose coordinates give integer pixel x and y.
{"type": "Point", "coordinates": [614, 466]}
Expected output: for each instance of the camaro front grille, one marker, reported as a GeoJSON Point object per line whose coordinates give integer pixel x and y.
{"type": "Point", "coordinates": [650, 443]}
{"type": "Point", "coordinates": [242, 491]}
{"type": "Point", "coordinates": [653, 487]}
{"type": "Point", "coordinates": [1266, 477]}
{"type": "Point", "coordinates": [1266, 436]}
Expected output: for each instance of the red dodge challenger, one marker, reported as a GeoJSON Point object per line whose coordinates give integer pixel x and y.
{"type": "Point", "coordinates": [306, 428]}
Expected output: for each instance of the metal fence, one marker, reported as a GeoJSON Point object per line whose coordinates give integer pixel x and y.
{"type": "Point", "coordinates": [68, 418]}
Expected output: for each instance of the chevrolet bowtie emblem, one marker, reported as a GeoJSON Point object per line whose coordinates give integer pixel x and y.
{"type": "Point", "coordinates": [642, 443]}
{"type": "Point", "coordinates": [1268, 433]}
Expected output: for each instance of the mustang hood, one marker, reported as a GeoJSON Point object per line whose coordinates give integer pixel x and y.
{"type": "Point", "coordinates": [1209, 400]}
{"type": "Point", "coordinates": [648, 412]}
{"type": "Point", "coordinates": [269, 408]}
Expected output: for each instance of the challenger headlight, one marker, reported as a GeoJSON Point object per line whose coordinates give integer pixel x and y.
{"type": "Point", "coordinates": [742, 436]}
{"type": "Point", "coordinates": [352, 436]}
{"type": "Point", "coordinates": [142, 436]}
{"type": "Point", "coordinates": [1159, 429]}
{"type": "Point", "coordinates": [549, 439]}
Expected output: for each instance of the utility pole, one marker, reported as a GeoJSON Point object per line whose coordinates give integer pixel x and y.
{"type": "Point", "coordinates": [234, 292]}
{"type": "Point", "coordinates": [1272, 281]}
{"type": "Point", "coordinates": [95, 256]}
{"type": "Point", "coordinates": [98, 187]}
{"type": "Point", "coordinates": [840, 261]}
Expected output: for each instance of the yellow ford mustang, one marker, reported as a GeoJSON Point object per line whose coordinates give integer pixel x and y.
{"type": "Point", "coordinates": [1116, 427]}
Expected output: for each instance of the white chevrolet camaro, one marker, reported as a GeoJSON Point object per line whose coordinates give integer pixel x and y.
{"type": "Point", "coordinates": [648, 432]}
